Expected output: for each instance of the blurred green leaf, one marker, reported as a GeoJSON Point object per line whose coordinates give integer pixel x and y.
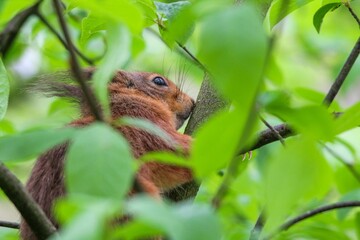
{"type": "Point", "coordinates": [147, 126]}
{"type": "Point", "coordinates": [188, 221]}
{"type": "Point", "coordinates": [6, 127]}
{"type": "Point", "coordinates": [309, 94]}
{"type": "Point", "coordinates": [135, 230]}
{"type": "Point", "coordinates": [357, 225]}
{"type": "Point", "coordinates": [26, 145]}
{"type": "Point", "coordinates": [149, 10]}
{"type": "Point", "coordinates": [215, 146]}
{"type": "Point", "coordinates": [236, 59]}
{"type": "Point", "coordinates": [4, 90]}
{"type": "Point", "coordinates": [320, 14]}
{"type": "Point", "coordinates": [118, 53]}
{"type": "Point", "coordinates": [90, 224]}
{"type": "Point", "coordinates": [124, 11]}
{"type": "Point", "coordinates": [99, 163]}
{"type": "Point", "coordinates": [274, 100]}
{"type": "Point", "coordinates": [281, 8]}
{"type": "Point", "coordinates": [349, 119]}
{"type": "Point", "coordinates": [89, 26]}
{"type": "Point", "coordinates": [170, 10]}
{"type": "Point", "coordinates": [166, 157]}
{"type": "Point", "coordinates": [10, 8]}
{"type": "Point", "coordinates": [303, 121]}
{"type": "Point", "coordinates": [298, 173]}
{"type": "Point", "coordinates": [342, 213]}
{"type": "Point", "coordinates": [274, 72]}
{"type": "Point", "coordinates": [176, 21]}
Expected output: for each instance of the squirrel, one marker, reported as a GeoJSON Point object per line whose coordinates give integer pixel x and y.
{"type": "Point", "coordinates": [134, 94]}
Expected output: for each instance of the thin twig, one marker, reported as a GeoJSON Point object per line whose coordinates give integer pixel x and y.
{"type": "Point", "coordinates": [343, 74]}
{"type": "Point", "coordinates": [75, 67]}
{"type": "Point", "coordinates": [193, 58]}
{"type": "Point", "coordinates": [53, 30]}
{"type": "Point", "coordinates": [7, 224]}
{"type": "Point", "coordinates": [277, 134]}
{"type": "Point", "coordinates": [348, 165]}
{"type": "Point", "coordinates": [30, 211]}
{"type": "Point", "coordinates": [288, 224]}
{"type": "Point", "coordinates": [347, 5]}
{"type": "Point", "coordinates": [13, 27]}
{"type": "Point", "coordinates": [255, 232]}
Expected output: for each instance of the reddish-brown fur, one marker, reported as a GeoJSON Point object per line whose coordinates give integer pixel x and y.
{"type": "Point", "coordinates": [135, 95]}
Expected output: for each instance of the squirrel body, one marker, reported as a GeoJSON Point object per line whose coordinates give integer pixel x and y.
{"type": "Point", "coordinates": [132, 94]}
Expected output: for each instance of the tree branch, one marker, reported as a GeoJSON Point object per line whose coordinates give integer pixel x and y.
{"type": "Point", "coordinates": [312, 213]}
{"type": "Point", "coordinates": [29, 209]}
{"type": "Point", "coordinates": [347, 5]}
{"type": "Point", "coordinates": [7, 224]}
{"type": "Point", "coordinates": [343, 74]}
{"type": "Point", "coordinates": [62, 41]}
{"type": "Point", "coordinates": [75, 67]}
{"type": "Point", "coordinates": [13, 27]}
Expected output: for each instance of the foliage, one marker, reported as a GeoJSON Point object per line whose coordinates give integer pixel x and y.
{"type": "Point", "coordinates": [274, 66]}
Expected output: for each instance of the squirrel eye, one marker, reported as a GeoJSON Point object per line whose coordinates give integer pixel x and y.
{"type": "Point", "coordinates": [159, 81]}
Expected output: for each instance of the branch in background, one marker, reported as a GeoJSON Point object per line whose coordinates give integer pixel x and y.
{"type": "Point", "coordinates": [7, 224]}
{"type": "Point", "coordinates": [13, 27]}
{"type": "Point", "coordinates": [259, 225]}
{"type": "Point", "coordinates": [347, 5]}
{"type": "Point", "coordinates": [75, 67]}
{"type": "Point", "coordinates": [53, 30]}
{"type": "Point", "coordinates": [314, 212]}
{"type": "Point", "coordinates": [29, 209]}
{"type": "Point", "coordinates": [343, 74]}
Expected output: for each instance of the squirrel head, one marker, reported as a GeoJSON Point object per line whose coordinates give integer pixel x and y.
{"type": "Point", "coordinates": [156, 89]}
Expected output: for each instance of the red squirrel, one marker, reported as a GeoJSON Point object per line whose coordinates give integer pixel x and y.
{"type": "Point", "coordinates": [134, 94]}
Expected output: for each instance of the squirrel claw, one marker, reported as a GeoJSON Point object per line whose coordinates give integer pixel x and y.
{"type": "Point", "coordinates": [247, 154]}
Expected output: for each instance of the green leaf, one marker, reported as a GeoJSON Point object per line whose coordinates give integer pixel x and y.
{"type": "Point", "coordinates": [124, 11]}
{"type": "Point", "coordinates": [89, 224]}
{"type": "Point", "coordinates": [215, 146]}
{"type": "Point", "coordinates": [342, 213]}
{"type": "Point", "coordinates": [274, 100]}
{"type": "Point", "coordinates": [166, 157]}
{"type": "Point", "coordinates": [26, 145]}
{"type": "Point", "coordinates": [149, 10]}
{"type": "Point", "coordinates": [147, 126]}
{"type": "Point", "coordinates": [10, 8]}
{"type": "Point", "coordinates": [119, 42]}
{"type": "Point", "coordinates": [89, 26]}
{"type": "Point", "coordinates": [349, 119]}
{"type": "Point", "coordinates": [357, 225]}
{"type": "Point", "coordinates": [170, 10]}
{"type": "Point", "coordinates": [320, 14]}
{"type": "Point", "coordinates": [176, 21]}
{"type": "Point", "coordinates": [298, 173]}
{"type": "Point", "coordinates": [302, 120]}
{"type": "Point", "coordinates": [236, 59]}
{"type": "Point", "coordinates": [4, 90]}
{"type": "Point", "coordinates": [99, 163]}
{"type": "Point", "coordinates": [281, 8]}
{"type": "Point", "coordinates": [188, 221]}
